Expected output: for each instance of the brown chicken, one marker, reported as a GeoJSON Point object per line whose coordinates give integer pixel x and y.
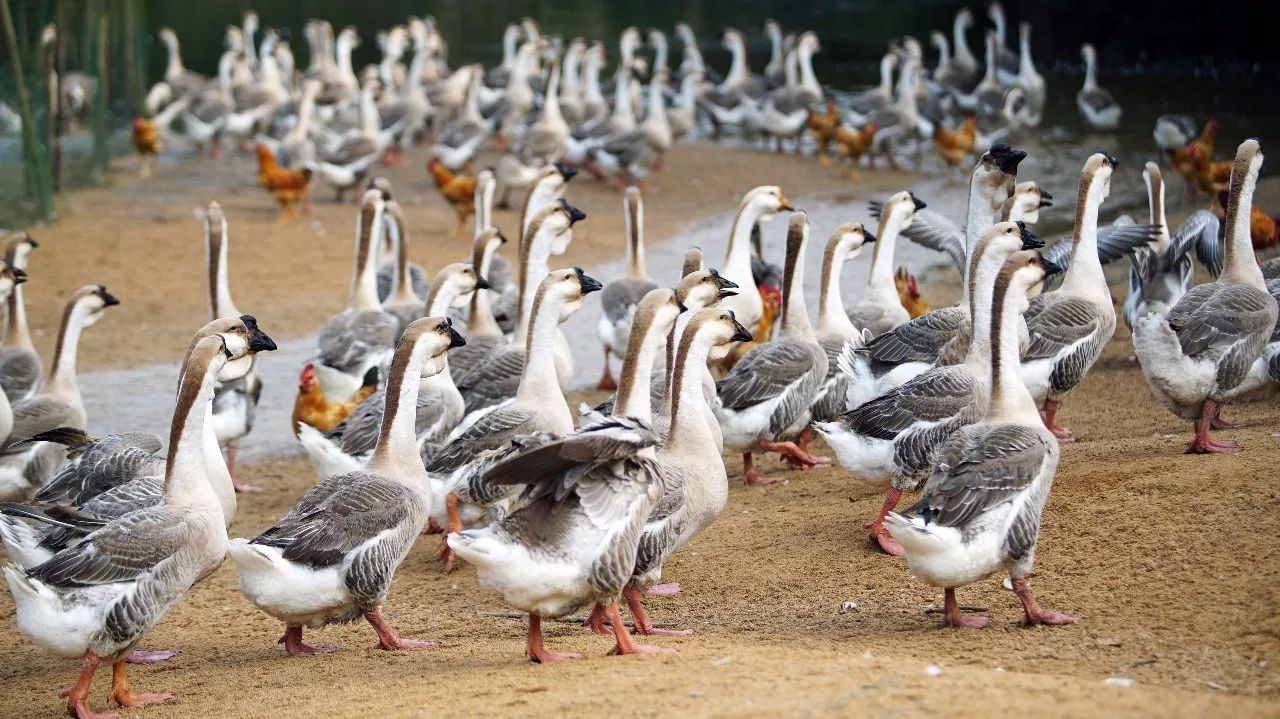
{"type": "Point", "coordinates": [956, 146]}
{"type": "Point", "coordinates": [147, 143]}
{"type": "Point", "coordinates": [762, 333]}
{"type": "Point", "coordinates": [1210, 177]}
{"type": "Point", "coordinates": [853, 144]}
{"type": "Point", "coordinates": [909, 293]}
{"type": "Point", "coordinates": [1263, 228]}
{"type": "Point", "coordinates": [458, 189]}
{"type": "Point", "coordinates": [1181, 159]}
{"type": "Point", "coordinates": [823, 128]}
{"type": "Point", "coordinates": [313, 408]}
{"type": "Point", "coordinates": [289, 187]}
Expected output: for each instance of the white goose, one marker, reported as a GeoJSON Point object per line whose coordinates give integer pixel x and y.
{"type": "Point", "coordinates": [981, 508]}
{"type": "Point", "coordinates": [1200, 353]}
{"type": "Point", "coordinates": [20, 365]}
{"type": "Point", "coordinates": [892, 438]}
{"type": "Point", "coordinates": [1031, 82]}
{"type": "Point", "coordinates": [620, 297]}
{"type": "Point", "coordinates": [24, 466]}
{"type": "Point", "coordinates": [759, 205]}
{"type": "Point", "coordinates": [9, 279]}
{"type": "Point", "coordinates": [95, 600]}
{"type": "Point", "coordinates": [766, 400]}
{"type": "Point", "coordinates": [1097, 108]}
{"type": "Point", "coordinates": [834, 327]}
{"type": "Point", "coordinates": [1069, 327]}
{"type": "Point", "coordinates": [881, 310]}
{"type": "Point", "coordinates": [484, 335]}
{"type": "Point", "coordinates": [333, 556]}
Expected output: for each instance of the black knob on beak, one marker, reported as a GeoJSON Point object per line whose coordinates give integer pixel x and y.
{"type": "Point", "coordinates": [1050, 269]}
{"type": "Point", "coordinates": [589, 284]}
{"type": "Point", "coordinates": [258, 340]}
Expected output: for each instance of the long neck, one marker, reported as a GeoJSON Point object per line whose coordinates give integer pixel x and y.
{"type": "Point", "coordinates": [1155, 195]}
{"type": "Point", "coordinates": [1010, 398]}
{"type": "Point", "coordinates": [533, 270]}
{"type": "Point", "coordinates": [1024, 50]}
{"type": "Point", "coordinates": [660, 52]}
{"type": "Point", "coordinates": [1240, 264]}
{"type": "Point", "coordinates": [634, 218]}
{"type": "Point", "coordinates": [886, 74]}
{"type": "Point", "coordinates": [633, 387]}
{"type": "Point", "coordinates": [344, 59]}
{"type": "Point", "coordinates": [997, 19]}
{"type": "Point", "coordinates": [831, 314]}
{"type": "Point", "coordinates": [687, 433]}
{"type": "Point", "coordinates": [795, 315]}
{"type": "Point", "coordinates": [1090, 71]}
{"type": "Point", "coordinates": [62, 375]}
{"type": "Point", "coordinates": [175, 67]}
{"type": "Point", "coordinates": [18, 334]}
{"type": "Point", "coordinates": [944, 52]}
{"type": "Point", "coordinates": [1085, 273]}
{"type": "Point", "coordinates": [775, 47]}
{"type": "Point", "coordinates": [990, 77]}
{"type": "Point", "coordinates": [220, 303]}
{"type": "Point", "coordinates": [738, 67]}
{"type": "Point", "coordinates": [551, 106]}
{"type": "Point", "coordinates": [185, 480]}
{"type": "Point", "coordinates": [403, 281]}
{"type": "Point", "coordinates": [737, 261]}
{"type": "Point", "coordinates": [397, 438]}
{"type": "Point", "coordinates": [369, 122]}
{"type": "Point", "coordinates": [364, 279]}
{"type": "Point", "coordinates": [591, 79]}
{"type": "Point", "coordinates": [980, 310]}
{"type": "Point", "coordinates": [881, 281]}
{"type": "Point", "coordinates": [622, 111]}
{"type": "Point", "coordinates": [538, 379]}
{"type": "Point", "coordinates": [977, 218]}
{"type": "Point", "coordinates": [480, 321]}
{"type": "Point", "coordinates": [961, 43]}
{"type": "Point", "coordinates": [484, 206]}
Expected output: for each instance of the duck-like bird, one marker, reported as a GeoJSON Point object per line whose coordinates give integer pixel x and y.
{"type": "Point", "coordinates": [1196, 355]}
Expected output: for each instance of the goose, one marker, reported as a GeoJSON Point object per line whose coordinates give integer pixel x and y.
{"type": "Point", "coordinates": [870, 101]}
{"type": "Point", "coordinates": [105, 478]}
{"type": "Point", "coordinates": [988, 96]}
{"type": "Point", "coordinates": [631, 156]}
{"type": "Point", "coordinates": [572, 107]}
{"type": "Point", "coordinates": [581, 544]}
{"type": "Point", "coordinates": [892, 439]}
{"type": "Point", "coordinates": [503, 295]}
{"type": "Point", "coordinates": [497, 380]}
{"type": "Point", "coordinates": [775, 70]}
{"type": "Point", "coordinates": [1069, 327]}
{"type": "Point", "coordinates": [1097, 108]}
{"type": "Point", "coordinates": [10, 278]}
{"type": "Point", "coordinates": [691, 60]}
{"type": "Point", "coordinates": [345, 159]}
{"type": "Point", "coordinates": [901, 120]}
{"type": "Point", "coordinates": [620, 297]}
{"type": "Point", "coordinates": [766, 399]}
{"type": "Point", "coordinates": [1162, 273]}
{"type": "Point", "coordinates": [98, 598]}
{"type": "Point", "coordinates": [759, 205]}
{"type": "Point", "coordinates": [347, 447]}
{"type": "Point", "coordinates": [544, 141]}
{"type": "Point", "coordinates": [1194, 357]}
{"type": "Point", "coordinates": [176, 76]}
{"type": "Point", "coordinates": [360, 337]}
{"type": "Point", "coordinates": [459, 140]}
{"type": "Point", "coordinates": [682, 116]}
{"type": "Point", "coordinates": [456, 468]}
{"type": "Point", "coordinates": [484, 336]}
{"type": "Point", "coordinates": [957, 72]}
{"type": "Point", "coordinates": [24, 466]}
{"type": "Point", "coordinates": [20, 365]}
{"type": "Point", "coordinates": [235, 402]}
{"type": "Point", "coordinates": [1262, 381]}
{"type": "Point", "coordinates": [331, 559]}
{"type": "Point", "coordinates": [834, 326]}
{"type": "Point", "coordinates": [402, 298]}
{"type": "Point", "coordinates": [881, 310]}
{"type": "Point", "coordinates": [1006, 62]}
{"type": "Point", "coordinates": [982, 504]}
{"type": "Point", "coordinates": [1031, 82]}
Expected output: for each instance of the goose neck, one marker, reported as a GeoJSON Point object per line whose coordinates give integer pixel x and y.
{"type": "Point", "coordinates": [364, 281]}
{"type": "Point", "coordinates": [1240, 263]}
{"type": "Point", "coordinates": [1090, 71]}
{"type": "Point", "coordinates": [216, 466]}
{"type": "Point", "coordinates": [18, 333]}
{"type": "Point", "coordinates": [633, 386]}
{"type": "Point", "coordinates": [634, 221]}
{"type": "Point", "coordinates": [220, 302]}
{"type": "Point", "coordinates": [538, 380]}
{"type": "Point", "coordinates": [881, 279]}
{"type": "Point", "coordinates": [62, 376]}
{"type": "Point", "coordinates": [397, 448]}
{"type": "Point", "coordinates": [186, 479]}
{"type": "Point", "coordinates": [981, 307]}
{"type": "Point", "coordinates": [688, 432]}
{"type": "Point", "coordinates": [1085, 276]}
{"type": "Point", "coordinates": [1155, 197]}
{"type": "Point", "coordinates": [886, 74]}
{"type": "Point", "coordinates": [737, 265]}
{"type": "Point", "coordinates": [795, 314]}
{"type": "Point", "coordinates": [534, 267]}
{"type": "Point", "coordinates": [961, 43]}
{"type": "Point", "coordinates": [831, 313]}
{"type": "Point", "coordinates": [1010, 398]}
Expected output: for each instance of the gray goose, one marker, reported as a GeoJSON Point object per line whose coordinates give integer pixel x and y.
{"type": "Point", "coordinates": [484, 335]}
{"type": "Point", "coordinates": [835, 330]}
{"type": "Point", "coordinates": [1196, 356]}
{"type": "Point", "coordinates": [619, 298]}
{"type": "Point", "coordinates": [20, 366]}
{"type": "Point", "coordinates": [97, 599]}
{"type": "Point", "coordinates": [332, 557]}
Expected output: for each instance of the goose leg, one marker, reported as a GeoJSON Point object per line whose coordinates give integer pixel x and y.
{"type": "Point", "coordinates": [387, 636]}
{"type": "Point", "coordinates": [795, 456]}
{"type": "Point", "coordinates": [231, 469]}
{"type": "Point", "coordinates": [749, 475]}
{"type": "Point", "coordinates": [666, 589]}
{"type": "Point", "coordinates": [644, 625]}
{"type": "Point", "coordinates": [121, 694]}
{"type": "Point", "coordinates": [595, 621]}
{"type": "Point", "coordinates": [606, 375]}
{"type": "Point", "coordinates": [1033, 613]}
{"type": "Point", "coordinates": [1220, 423]}
{"type": "Point", "coordinates": [295, 647]}
{"type": "Point", "coordinates": [625, 644]}
{"type": "Point", "coordinates": [455, 525]}
{"type": "Point", "coordinates": [876, 530]}
{"type": "Point", "coordinates": [1202, 443]}
{"type": "Point", "coordinates": [78, 693]}
{"type": "Point", "coordinates": [140, 656]}
{"type": "Point", "coordinates": [953, 617]}
{"type": "Point", "coordinates": [504, 202]}
{"type": "Point", "coordinates": [536, 650]}
{"type": "Point", "coordinates": [1063, 434]}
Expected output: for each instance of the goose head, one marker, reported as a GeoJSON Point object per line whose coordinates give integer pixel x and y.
{"type": "Point", "coordinates": [995, 172]}
{"type": "Point", "coordinates": [92, 301]}
{"type": "Point", "coordinates": [718, 329]}
{"type": "Point", "coordinates": [1088, 53]}
{"type": "Point", "coordinates": [704, 288]}
{"type": "Point", "coordinates": [1025, 202]}
{"type": "Point", "coordinates": [938, 40]}
{"type": "Point", "coordinates": [767, 201]}
{"type": "Point", "coordinates": [10, 277]}
{"type": "Point", "coordinates": [902, 207]}
{"type": "Point", "coordinates": [168, 37]}
{"type": "Point", "coordinates": [570, 287]}
{"type": "Point", "coordinates": [458, 281]}
{"type": "Point", "coordinates": [431, 339]}
{"type": "Point", "coordinates": [486, 243]}
{"type": "Point", "coordinates": [18, 250]}
{"type": "Point", "coordinates": [659, 308]}
{"type": "Point", "coordinates": [243, 337]}
{"type": "Point", "coordinates": [557, 224]}
{"type": "Point", "coordinates": [1024, 274]}
{"type": "Point", "coordinates": [809, 42]}
{"type": "Point", "coordinates": [848, 239]}
{"type": "Point", "coordinates": [1005, 238]}
{"type": "Point", "coordinates": [1095, 178]}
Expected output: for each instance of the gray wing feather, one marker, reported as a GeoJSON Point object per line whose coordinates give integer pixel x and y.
{"type": "Point", "coordinates": [764, 373]}
{"type": "Point", "coordinates": [921, 339]}
{"type": "Point", "coordinates": [935, 231]}
{"type": "Point", "coordinates": [493, 431]}
{"type": "Point", "coordinates": [349, 339]}
{"type": "Point", "coordinates": [1056, 321]}
{"type": "Point", "coordinates": [979, 468]}
{"type": "Point", "coordinates": [36, 415]}
{"type": "Point", "coordinates": [1217, 315]}
{"type": "Point", "coordinates": [125, 550]}
{"type": "Point", "coordinates": [493, 381]}
{"type": "Point", "coordinates": [19, 372]}
{"type": "Point", "coordinates": [619, 296]}
{"type": "Point", "coordinates": [1199, 232]}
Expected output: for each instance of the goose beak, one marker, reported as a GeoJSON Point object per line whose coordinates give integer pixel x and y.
{"type": "Point", "coordinates": [784, 205]}
{"type": "Point", "coordinates": [1029, 240]}
{"type": "Point", "coordinates": [740, 333]}
{"type": "Point", "coordinates": [565, 171]}
{"type": "Point", "coordinates": [19, 276]}
{"type": "Point", "coordinates": [727, 293]}
{"type": "Point", "coordinates": [455, 339]}
{"type": "Point", "coordinates": [258, 340]}
{"type": "Point", "coordinates": [919, 203]}
{"type": "Point", "coordinates": [723, 282]}
{"type": "Point", "coordinates": [680, 306]}
{"type": "Point", "coordinates": [575, 215]}
{"type": "Point", "coordinates": [482, 283]}
{"type": "Point", "coordinates": [32, 241]}
{"type": "Point", "coordinates": [1050, 269]}
{"type": "Point", "coordinates": [867, 237]}
{"type": "Point", "coordinates": [589, 284]}
{"type": "Point", "coordinates": [1046, 200]}
{"type": "Point", "coordinates": [1111, 159]}
{"type": "Point", "coordinates": [108, 299]}
{"type": "Point", "coordinates": [1006, 158]}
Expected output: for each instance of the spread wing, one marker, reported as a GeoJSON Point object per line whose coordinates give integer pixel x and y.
{"type": "Point", "coordinates": [980, 467]}
{"type": "Point", "coordinates": [1199, 232]}
{"type": "Point", "coordinates": [763, 374]}
{"type": "Point", "coordinates": [935, 231]}
{"type": "Point", "coordinates": [125, 550]}
{"type": "Point", "coordinates": [1114, 242]}
{"type": "Point", "coordinates": [1055, 322]}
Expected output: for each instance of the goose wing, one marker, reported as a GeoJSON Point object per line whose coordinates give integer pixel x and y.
{"type": "Point", "coordinates": [494, 381]}
{"type": "Point", "coordinates": [935, 231]}
{"type": "Point", "coordinates": [620, 296]}
{"type": "Point", "coordinates": [1114, 242]}
{"type": "Point", "coordinates": [1199, 232]}
{"type": "Point", "coordinates": [1216, 315]}
{"type": "Point", "coordinates": [125, 550]}
{"type": "Point", "coordinates": [348, 340]}
{"type": "Point", "coordinates": [935, 396]}
{"type": "Point", "coordinates": [493, 431]}
{"type": "Point", "coordinates": [979, 468]}
{"type": "Point", "coordinates": [765, 373]}
{"type": "Point", "coordinates": [19, 372]}
{"type": "Point", "coordinates": [35, 416]}
{"type": "Point", "coordinates": [1055, 322]}
{"type": "Point", "coordinates": [921, 339]}
{"type": "Point", "coordinates": [101, 465]}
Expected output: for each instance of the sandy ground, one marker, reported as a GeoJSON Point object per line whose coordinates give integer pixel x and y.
{"type": "Point", "coordinates": [1171, 559]}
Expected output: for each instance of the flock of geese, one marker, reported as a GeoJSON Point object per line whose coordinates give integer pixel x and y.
{"type": "Point", "coordinates": [550, 98]}
{"type": "Point", "coordinates": [469, 431]}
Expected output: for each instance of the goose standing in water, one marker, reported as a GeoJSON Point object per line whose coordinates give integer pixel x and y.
{"type": "Point", "coordinates": [97, 599]}
{"type": "Point", "coordinates": [881, 310]}
{"type": "Point", "coordinates": [1097, 108]}
{"type": "Point", "coordinates": [20, 366]}
{"type": "Point", "coordinates": [619, 299]}
{"type": "Point", "coordinates": [332, 557]}
{"type": "Point", "coordinates": [1198, 354]}
{"type": "Point", "coordinates": [235, 402]}
{"type": "Point", "coordinates": [766, 400]}
{"type": "Point", "coordinates": [1162, 273]}
{"type": "Point", "coordinates": [759, 205]}
{"type": "Point", "coordinates": [893, 438]}
{"type": "Point", "coordinates": [24, 466]}
{"type": "Point", "coordinates": [362, 336]}
{"type": "Point", "coordinates": [1069, 327]}
{"type": "Point", "coordinates": [982, 505]}
{"type": "Point", "coordinates": [834, 327]}
{"type": "Point", "coordinates": [587, 500]}
{"type": "Point", "coordinates": [455, 470]}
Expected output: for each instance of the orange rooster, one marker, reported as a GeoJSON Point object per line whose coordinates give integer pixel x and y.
{"type": "Point", "coordinates": [1210, 177]}
{"type": "Point", "coordinates": [823, 128]}
{"type": "Point", "coordinates": [762, 333]}
{"type": "Point", "coordinates": [147, 143]}
{"type": "Point", "coordinates": [1263, 229]}
{"type": "Point", "coordinates": [956, 146]}
{"type": "Point", "coordinates": [853, 144]}
{"type": "Point", "coordinates": [909, 293]}
{"type": "Point", "coordinates": [458, 189]}
{"type": "Point", "coordinates": [313, 408]}
{"type": "Point", "coordinates": [1182, 158]}
{"type": "Point", "coordinates": [289, 187]}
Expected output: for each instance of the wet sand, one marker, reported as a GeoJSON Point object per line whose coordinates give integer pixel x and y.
{"type": "Point", "coordinates": [1171, 559]}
